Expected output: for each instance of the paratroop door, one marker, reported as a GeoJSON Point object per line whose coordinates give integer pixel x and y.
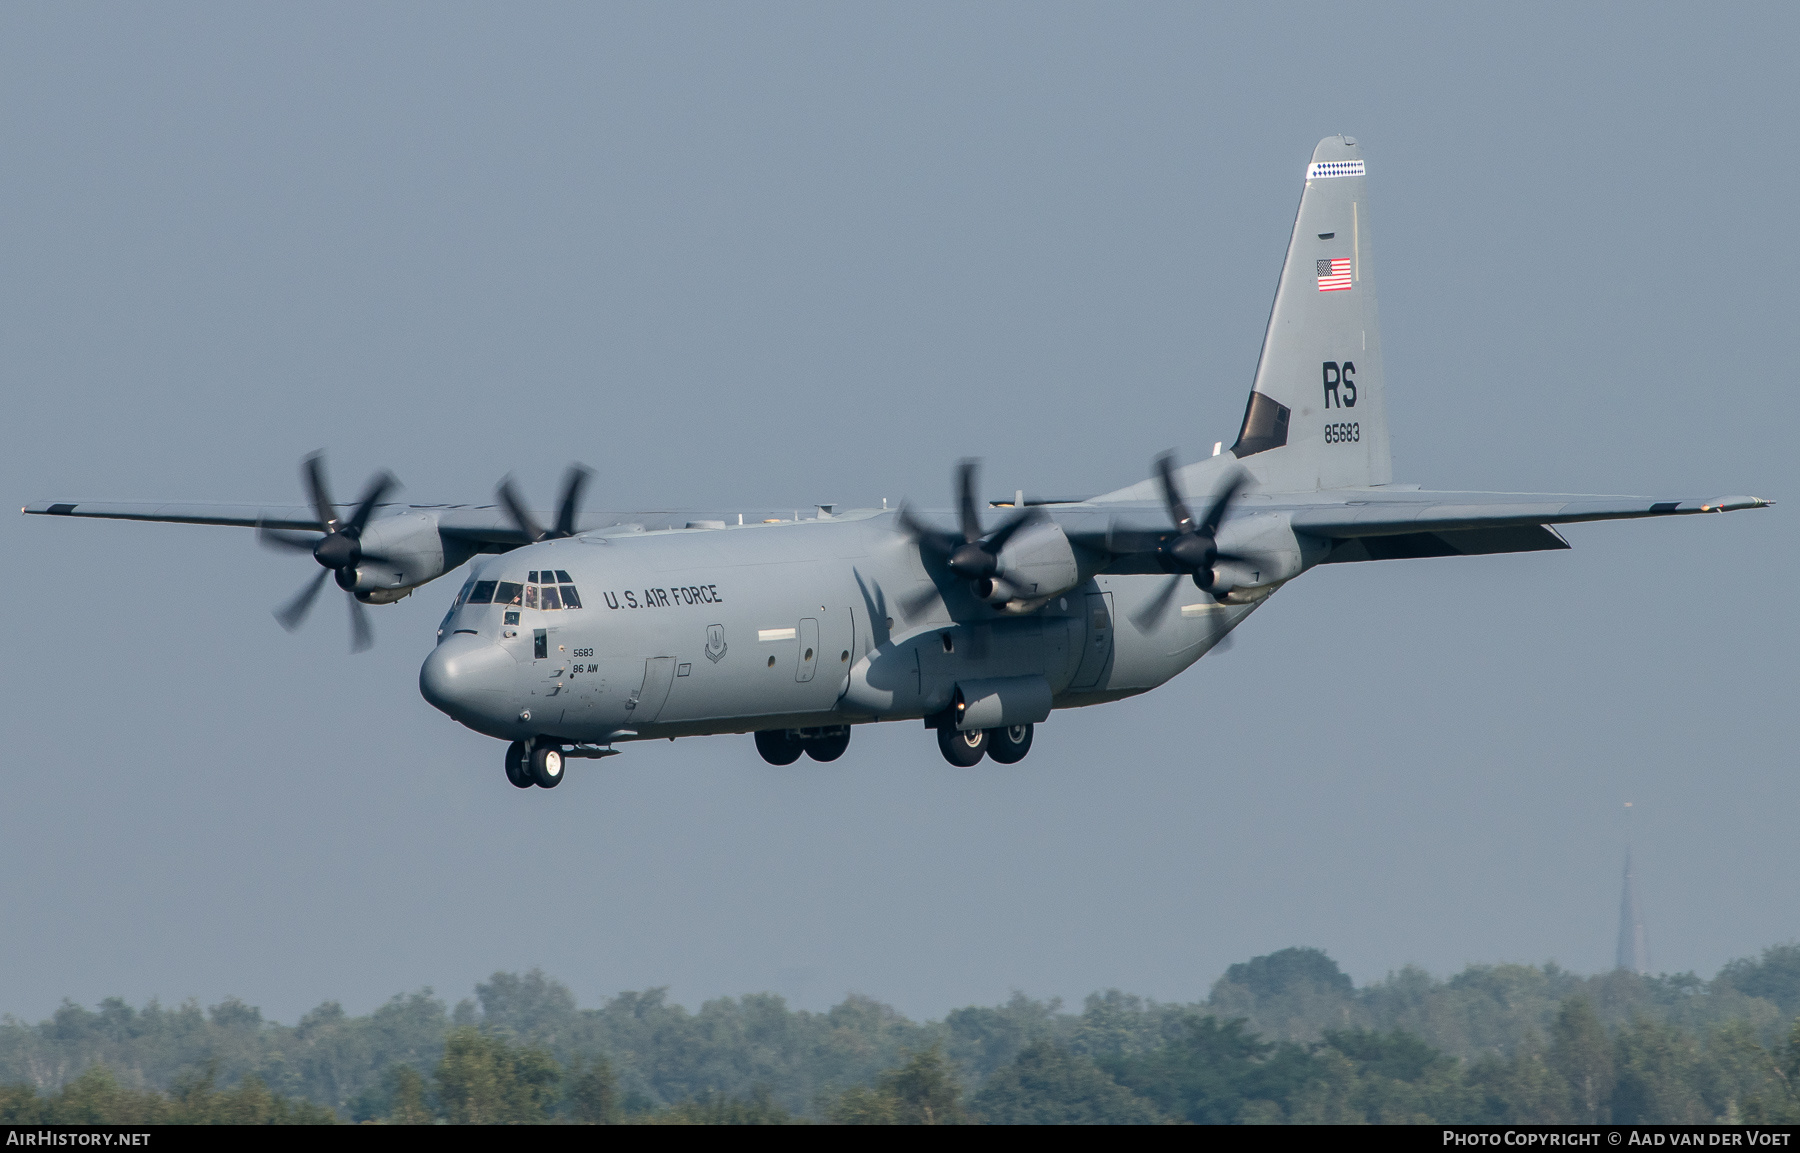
{"type": "Point", "coordinates": [647, 702]}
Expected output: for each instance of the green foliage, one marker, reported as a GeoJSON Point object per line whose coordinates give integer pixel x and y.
{"type": "Point", "coordinates": [1581, 1054]}
{"type": "Point", "coordinates": [482, 1080]}
{"type": "Point", "coordinates": [410, 1104]}
{"type": "Point", "coordinates": [97, 1098]}
{"type": "Point", "coordinates": [757, 1109]}
{"type": "Point", "coordinates": [1774, 977]}
{"type": "Point", "coordinates": [1048, 1085]}
{"type": "Point", "coordinates": [923, 1090]}
{"type": "Point", "coordinates": [594, 1093]}
{"type": "Point", "coordinates": [1281, 1038]}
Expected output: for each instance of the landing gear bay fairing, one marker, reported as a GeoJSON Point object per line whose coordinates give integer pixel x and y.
{"type": "Point", "coordinates": [579, 632]}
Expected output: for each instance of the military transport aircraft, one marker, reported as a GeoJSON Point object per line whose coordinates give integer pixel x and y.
{"type": "Point", "coordinates": [571, 638]}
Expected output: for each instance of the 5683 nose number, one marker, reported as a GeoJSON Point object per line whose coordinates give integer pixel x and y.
{"type": "Point", "coordinates": [1347, 433]}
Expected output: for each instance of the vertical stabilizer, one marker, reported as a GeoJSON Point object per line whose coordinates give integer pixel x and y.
{"type": "Point", "coordinates": [1317, 417]}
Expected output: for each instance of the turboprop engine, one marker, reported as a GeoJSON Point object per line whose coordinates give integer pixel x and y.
{"type": "Point", "coordinates": [402, 551]}
{"type": "Point", "coordinates": [1016, 567]}
{"type": "Point", "coordinates": [1036, 564]}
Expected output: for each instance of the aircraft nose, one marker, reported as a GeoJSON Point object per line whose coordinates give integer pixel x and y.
{"type": "Point", "coordinates": [470, 679]}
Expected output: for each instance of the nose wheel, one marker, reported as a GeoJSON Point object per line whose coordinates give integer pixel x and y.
{"type": "Point", "coordinates": [541, 766]}
{"type": "Point", "coordinates": [518, 771]}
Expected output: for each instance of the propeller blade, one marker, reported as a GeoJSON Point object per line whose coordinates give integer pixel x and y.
{"type": "Point", "coordinates": [573, 482]}
{"type": "Point", "coordinates": [1216, 511]}
{"type": "Point", "coordinates": [312, 474]}
{"type": "Point", "coordinates": [362, 635]}
{"type": "Point", "coordinates": [1178, 510]}
{"type": "Point", "coordinates": [966, 515]}
{"type": "Point", "coordinates": [283, 541]}
{"type": "Point", "coordinates": [515, 508]}
{"type": "Point", "coordinates": [1151, 615]}
{"type": "Point", "coordinates": [940, 544]}
{"type": "Point", "coordinates": [1004, 533]}
{"type": "Point", "coordinates": [379, 486]}
{"type": "Point", "coordinates": [291, 614]}
{"type": "Point", "coordinates": [915, 603]}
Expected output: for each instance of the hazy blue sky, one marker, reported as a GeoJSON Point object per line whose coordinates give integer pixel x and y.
{"type": "Point", "coordinates": [801, 253]}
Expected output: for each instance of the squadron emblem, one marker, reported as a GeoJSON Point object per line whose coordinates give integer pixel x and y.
{"type": "Point", "coordinates": [715, 643]}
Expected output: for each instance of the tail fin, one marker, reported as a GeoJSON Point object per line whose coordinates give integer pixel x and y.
{"type": "Point", "coordinates": [1317, 418]}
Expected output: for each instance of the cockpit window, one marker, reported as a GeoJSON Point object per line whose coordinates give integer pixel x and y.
{"type": "Point", "coordinates": [483, 593]}
{"type": "Point", "coordinates": [549, 598]}
{"type": "Point", "coordinates": [508, 593]}
{"type": "Point", "coordinates": [462, 595]}
{"type": "Point", "coordinates": [531, 596]}
{"type": "Point", "coordinates": [561, 576]}
{"type": "Point", "coordinates": [569, 599]}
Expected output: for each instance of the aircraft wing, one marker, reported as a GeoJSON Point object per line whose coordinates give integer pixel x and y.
{"type": "Point", "coordinates": [291, 516]}
{"type": "Point", "coordinates": [1461, 511]}
{"type": "Point", "coordinates": [1384, 524]}
{"type": "Point", "coordinates": [480, 525]}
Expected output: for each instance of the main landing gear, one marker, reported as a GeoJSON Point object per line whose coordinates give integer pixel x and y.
{"type": "Point", "coordinates": [784, 746]}
{"type": "Point", "coordinates": [541, 766]}
{"type": "Point", "coordinates": [964, 748]}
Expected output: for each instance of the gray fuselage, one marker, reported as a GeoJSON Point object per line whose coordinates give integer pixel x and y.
{"type": "Point", "coordinates": [790, 625]}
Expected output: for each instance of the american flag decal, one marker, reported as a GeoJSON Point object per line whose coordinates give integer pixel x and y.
{"type": "Point", "coordinates": [1334, 275]}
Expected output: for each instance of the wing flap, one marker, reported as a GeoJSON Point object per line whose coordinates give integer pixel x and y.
{"type": "Point", "coordinates": [1456, 542]}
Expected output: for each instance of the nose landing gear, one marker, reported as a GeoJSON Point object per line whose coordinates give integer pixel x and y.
{"type": "Point", "coordinates": [541, 766]}
{"type": "Point", "coordinates": [517, 770]}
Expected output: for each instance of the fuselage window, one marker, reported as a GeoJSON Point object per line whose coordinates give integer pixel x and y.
{"type": "Point", "coordinates": [483, 593]}
{"type": "Point", "coordinates": [508, 593]}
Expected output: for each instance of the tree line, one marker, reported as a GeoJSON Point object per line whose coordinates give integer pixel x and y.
{"type": "Point", "coordinates": [1285, 1037]}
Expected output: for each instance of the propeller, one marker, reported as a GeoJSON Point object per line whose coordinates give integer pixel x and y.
{"type": "Point", "coordinates": [338, 548]}
{"type": "Point", "coordinates": [1194, 549]}
{"type": "Point", "coordinates": [971, 555]}
{"type": "Point", "coordinates": [574, 480]}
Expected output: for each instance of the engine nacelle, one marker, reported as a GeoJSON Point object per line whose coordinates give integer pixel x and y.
{"type": "Point", "coordinates": [1281, 555]}
{"type": "Point", "coordinates": [1037, 563]}
{"type": "Point", "coordinates": [412, 553]}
